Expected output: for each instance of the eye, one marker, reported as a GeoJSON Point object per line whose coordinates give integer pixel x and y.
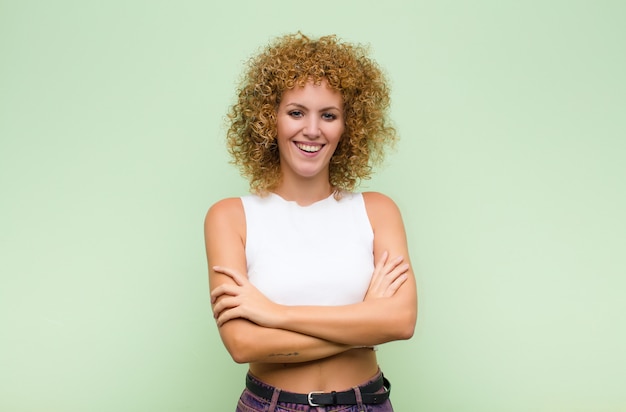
{"type": "Point", "coordinates": [329, 116]}
{"type": "Point", "coordinates": [295, 113]}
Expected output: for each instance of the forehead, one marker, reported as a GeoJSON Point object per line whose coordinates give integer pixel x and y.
{"type": "Point", "coordinates": [313, 92]}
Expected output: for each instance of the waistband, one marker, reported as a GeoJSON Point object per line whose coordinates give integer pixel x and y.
{"type": "Point", "coordinates": [367, 393]}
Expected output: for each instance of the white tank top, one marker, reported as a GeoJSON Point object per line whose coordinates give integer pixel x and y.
{"type": "Point", "coordinates": [321, 254]}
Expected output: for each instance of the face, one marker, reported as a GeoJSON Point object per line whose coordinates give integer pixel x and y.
{"type": "Point", "coordinates": [310, 123]}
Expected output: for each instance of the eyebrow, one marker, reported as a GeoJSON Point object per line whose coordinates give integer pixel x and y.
{"type": "Point", "coordinates": [301, 106]}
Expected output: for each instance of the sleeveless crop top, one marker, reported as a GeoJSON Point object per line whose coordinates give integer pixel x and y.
{"type": "Point", "coordinates": [321, 254]}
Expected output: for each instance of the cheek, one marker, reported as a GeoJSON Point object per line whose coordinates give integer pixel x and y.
{"type": "Point", "coordinates": [285, 128]}
{"type": "Point", "coordinates": [333, 130]}
{"type": "Point", "coordinates": [339, 132]}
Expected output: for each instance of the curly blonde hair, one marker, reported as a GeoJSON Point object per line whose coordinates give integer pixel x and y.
{"type": "Point", "coordinates": [291, 61]}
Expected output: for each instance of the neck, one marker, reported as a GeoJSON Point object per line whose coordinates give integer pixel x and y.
{"type": "Point", "coordinates": [305, 191]}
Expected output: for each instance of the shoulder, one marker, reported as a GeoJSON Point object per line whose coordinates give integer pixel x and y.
{"type": "Point", "coordinates": [225, 236]}
{"type": "Point", "coordinates": [381, 209]}
{"type": "Point", "coordinates": [225, 207]}
{"type": "Point", "coordinates": [378, 202]}
{"type": "Point", "coordinates": [227, 211]}
{"type": "Point", "coordinates": [387, 223]}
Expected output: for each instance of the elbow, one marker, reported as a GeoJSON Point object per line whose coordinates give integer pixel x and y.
{"type": "Point", "coordinates": [239, 357]}
{"type": "Point", "coordinates": [406, 327]}
{"type": "Point", "coordinates": [401, 331]}
{"type": "Point", "coordinates": [239, 348]}
{"type": "Point", "coordinates": [398, 327]}
{"type": "Point", "coordinates": [239, 354]}
{"type": "Point", "coordinates": [407, 332]}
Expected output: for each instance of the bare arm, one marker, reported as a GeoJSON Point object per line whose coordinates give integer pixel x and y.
{"type": "Point", "coordinates": [224, 230]}
{"type": "Point", "coordinates": [249, 343]}
{"type": "Point", "coordinates": [370, 322]}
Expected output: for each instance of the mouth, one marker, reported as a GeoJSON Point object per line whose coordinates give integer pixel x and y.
{"type": "Point", "coordinates": [309, 148]}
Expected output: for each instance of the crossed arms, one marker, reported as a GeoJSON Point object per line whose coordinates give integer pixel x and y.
{"type": "Point", "coordinates": [255, 329]}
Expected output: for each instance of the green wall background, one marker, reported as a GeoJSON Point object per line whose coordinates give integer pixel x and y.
{"type": "Point", "coordinates": [510, 174]}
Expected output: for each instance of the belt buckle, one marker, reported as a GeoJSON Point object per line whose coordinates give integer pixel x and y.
{"type": "Point", "coordinates": [309, 397]}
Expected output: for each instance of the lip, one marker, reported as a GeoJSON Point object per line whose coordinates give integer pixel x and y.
{"type": "Point", "coordinates": [308, 154]}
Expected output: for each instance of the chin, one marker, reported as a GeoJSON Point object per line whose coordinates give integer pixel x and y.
{"type": "Point", "coordinates": [308, 175]}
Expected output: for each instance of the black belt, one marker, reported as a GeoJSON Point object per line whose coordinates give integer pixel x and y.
{"type": "Point", "coordinates": [315, 398]}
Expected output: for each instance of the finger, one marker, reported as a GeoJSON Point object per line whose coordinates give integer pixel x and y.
{"type": "Point", "coordinates": [395, 285]}
{"type": "Point", "coordinates": [224, 289]}
{"type": "Point", "coordinates": [233, 274]}
{"type": "Point", "coordinates": [227, 315]}
{"type": "Point", "coordinates": [379, 270]}
{"type": "Point", "coordinates": [396, 272]}
{"type": "Point", "coordinates": [391, 276]}
{"type": "Point", "coordinates": [393, 263]}
{"type": "Point", "coordinates": [381, 261]}
{"type": "Point", "coordinates": [223, 305]}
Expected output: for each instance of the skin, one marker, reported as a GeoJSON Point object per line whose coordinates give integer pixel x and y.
{"type": "Point", "coordinates": [310, 116]}
{"type": "Point", "coordinates": [306, 348]}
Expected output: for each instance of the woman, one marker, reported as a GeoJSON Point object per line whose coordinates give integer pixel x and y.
{"type": "Point", "coordinates": [307, 276]}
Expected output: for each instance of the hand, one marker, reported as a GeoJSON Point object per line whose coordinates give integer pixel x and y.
{"type": "Point", "coordinates": [242, 300]}
{"type": "Point", "coordinates": [387, 278]}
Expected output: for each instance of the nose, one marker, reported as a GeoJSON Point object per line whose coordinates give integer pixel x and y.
{"type": "Point", "coordinates": [311, 129]}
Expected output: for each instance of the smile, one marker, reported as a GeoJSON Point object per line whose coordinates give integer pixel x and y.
{"type": "Point", "coordinates": [309, 148]}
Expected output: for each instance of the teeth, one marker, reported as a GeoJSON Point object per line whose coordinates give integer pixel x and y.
{"type": "Point", "coordinates": [309, 148]}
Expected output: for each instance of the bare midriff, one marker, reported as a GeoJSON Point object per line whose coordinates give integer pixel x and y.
{"type": "Point", "coordinates": [335, 373]}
